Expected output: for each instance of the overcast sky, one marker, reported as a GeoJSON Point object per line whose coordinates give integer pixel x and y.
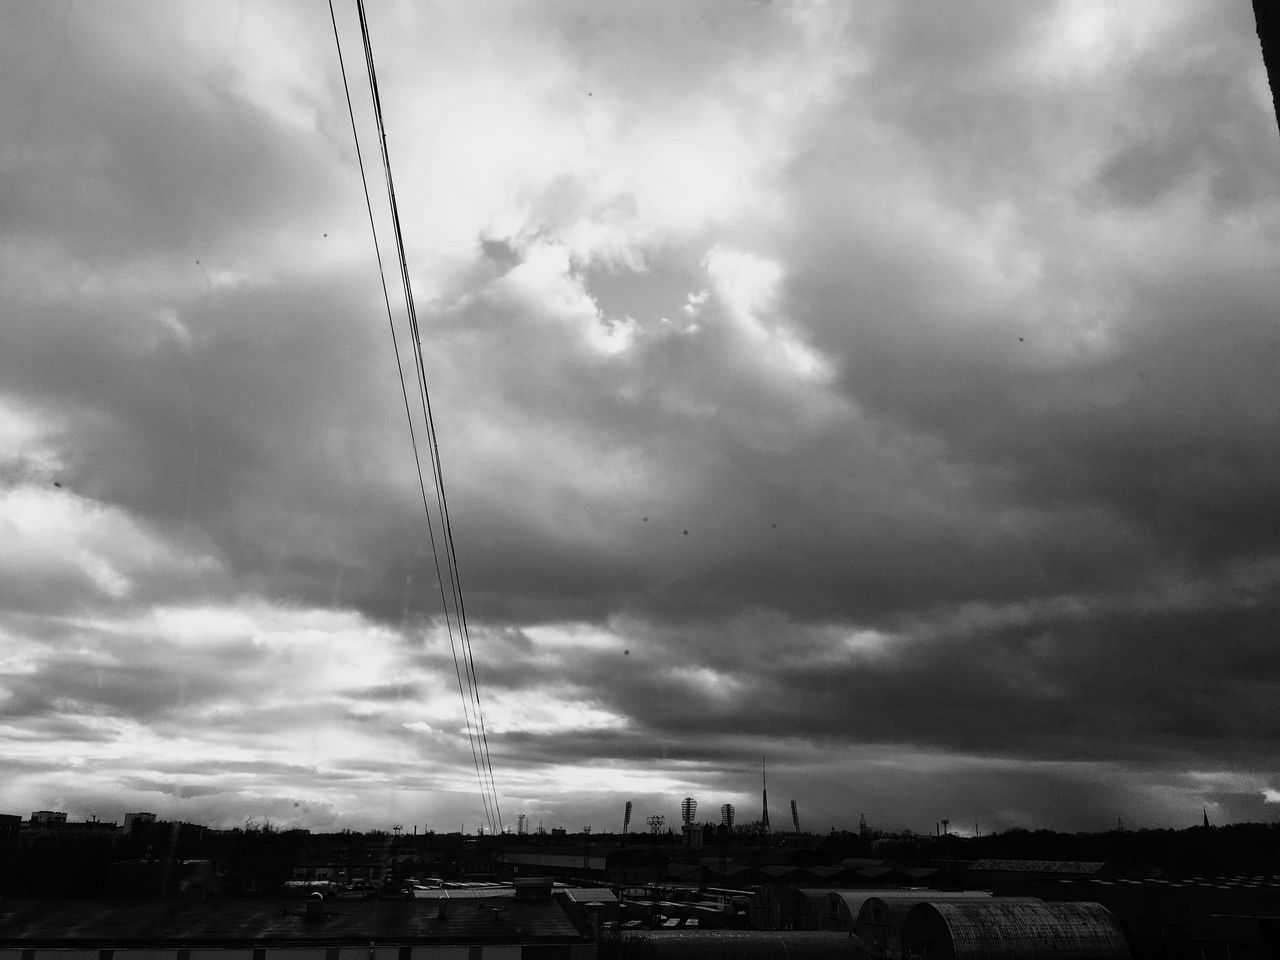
{"type": "Point", "coordinates": [891, 389]}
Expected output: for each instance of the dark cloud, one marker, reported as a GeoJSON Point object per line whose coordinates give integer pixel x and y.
{"type": "Point", "coordinates": [892, 393]}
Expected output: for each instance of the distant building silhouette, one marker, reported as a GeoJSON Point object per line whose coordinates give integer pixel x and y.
{"type": "Point", "coordinates": [133, 820]}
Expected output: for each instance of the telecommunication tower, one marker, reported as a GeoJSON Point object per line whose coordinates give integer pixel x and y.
{"type": "Point", "coordinates": [764, 786]}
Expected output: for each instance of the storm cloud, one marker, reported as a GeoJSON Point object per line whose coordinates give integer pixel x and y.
{"type": "Point", "coordinates": [892, 392]}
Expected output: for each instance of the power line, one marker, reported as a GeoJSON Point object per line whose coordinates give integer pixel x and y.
{"type": "Point", "coordinates": [464, 668]}
{"type": "Point", "coordinates": [484, 764]}
{"type": "Point", "coordinates": [432, 436]}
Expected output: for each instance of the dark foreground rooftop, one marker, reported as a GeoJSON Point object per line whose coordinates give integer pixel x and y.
{"type": "Point", "coordinates": [106, 923]}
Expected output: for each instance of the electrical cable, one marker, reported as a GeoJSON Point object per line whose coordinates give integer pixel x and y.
{"type": "Point", "coordinates": [432, 435]}
{"type": "Point", "coordinates": [408, 411]}
{"type": "Point", "coordinates": [468, 689]}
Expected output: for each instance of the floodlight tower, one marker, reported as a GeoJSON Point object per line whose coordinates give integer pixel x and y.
{"type": "Point", "coordinates": [656, 822]}
{"type": "Point", "coordinates": [726, 816]}
{"type": "Point", "coordinates": [726, 821]}
{"type": "Point", "coordinates": [688, 810]}
{"type": "Point", "coordinates": [626, 818]}
{"type": "Point", "coordinates": [692, 834]}
{"type": "Point", "coordinates": [795, 816]}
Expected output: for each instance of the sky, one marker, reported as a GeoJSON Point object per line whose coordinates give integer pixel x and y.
{"type": "Point", "coordinates": [890, 391]}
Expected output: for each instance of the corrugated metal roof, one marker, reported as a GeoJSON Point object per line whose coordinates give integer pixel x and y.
{"type": "Point", "coordinates": [743, 945]}
{"type": "Point", "coordinates": [825, 872]}
{"type": "Point", "coordinates": [730, 863]}
{"type": "Point", "coordinates": [848, 904]}
{"type": "Point", "coordinates": [779, 870]}
{"type": "Point", "coordinates": [587, 894]}
{"type": "Point", "coordinates": [461, 893]}
{"type": "Point", "coordinates": [1023, 930]}
{"type": "Point", "coordinates": [679, 871]}
{"type": "Point", "coordinates": [560, 861]}
{"type": "Point", "coordinates": [817, 897]}
{"type": "Point", "coordinates": [1081, 867]}
{"type": "Point", "coordinates": [104, 923]}
{"type": "Point", "coordinates": [892, 911]}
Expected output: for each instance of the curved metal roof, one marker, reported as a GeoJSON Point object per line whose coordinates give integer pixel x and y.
{"type": "Point", "coordinates": [847, 904]}
{"type": "Point", "coordinates": [892, 911]}
{"type": "Point", "coordinates": [740, 945]}
{"type": "Point", "coordinates": [1004, 930]}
